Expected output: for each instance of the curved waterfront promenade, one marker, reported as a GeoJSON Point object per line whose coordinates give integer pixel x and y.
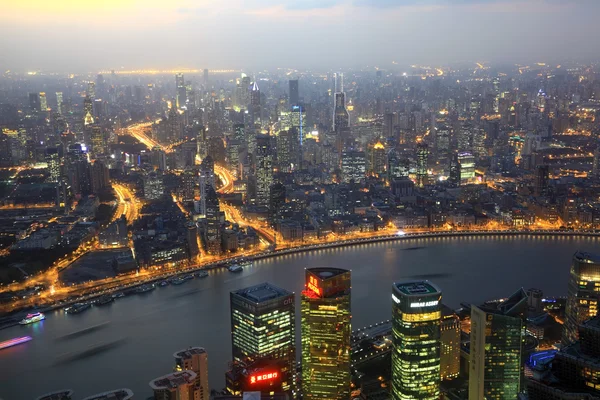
{"type": "Point", "coordinates": [341, 243]}
{"type": "Point", "coordinates": [96, 292]}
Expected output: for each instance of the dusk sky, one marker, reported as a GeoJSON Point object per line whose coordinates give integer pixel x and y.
{"type": "Point", "coordinates": [74, 35]}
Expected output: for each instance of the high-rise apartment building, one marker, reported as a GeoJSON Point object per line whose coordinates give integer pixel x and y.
{"type": "Point", "coordinates": [195, 359]}
{"type": "Point", "coordinates": [263, 332]}
{"type": "Point", "coordinates": [583, 294]}
{"type": "Point", "coordinates": [496, 349]}
{"type": "Point", "coordinates": [326, 329]}
{"type": "Point", "coordinates": [416, 316]}
{"type": "Point", "coordinates": [449, 344]}
{"type": "Point", "coordinates": [43, 102]}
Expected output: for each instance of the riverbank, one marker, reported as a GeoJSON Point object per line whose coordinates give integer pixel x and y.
{"type": "Point", "coordinates": [15, 318]}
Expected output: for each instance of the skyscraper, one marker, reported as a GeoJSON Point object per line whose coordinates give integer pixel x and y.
{"type": "Point", "coordinates": [264, 169]}
{"type": "Point", "coordinates": [326, 329]}
{"type": "Point", "coordinates": [180, 90]}
{"type": "Point", "coordinates": [341, 118]}
{"type": "Point", "coordinates": [449, 344]}
{"type": "Point", "coordinates": [205, 75]}
{"type": "Point", "coordinates": [467, 167]}
{"type": "Point", "coordinates": [422, 163]}
{"type": "Point", "coordinates": [582, 299]}
{"type": "Point", "coordinates": [276, 201]}
{"type": "Point", "coordinates": [53, 161]}
{"type": "Point", "coordinates": [495, 368]}
{"type": "Point", "coordinates": [255, 106]}
{"type": "Point", "coordinates": [59, 102]}
{"type": "Point", "coordinates": [43, 102]}
{"type": "Point", "coordinates": [294, 93]}
{"type": "Point", "coordinates": [416, 315]}
{"type": "Point", "coordinates": [34, 101]}
{"type": "Point", "coordinates": [263, 332]}
{"type": "Point", "coordinates": [206, 179]}
{"type": "Point", "coordinates": [195, 359]}
{"type": "Point", "coordinates": [212, 231]}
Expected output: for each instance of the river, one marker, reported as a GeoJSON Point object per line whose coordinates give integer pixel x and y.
{"type": "Point", "coordinates": [148, 328]}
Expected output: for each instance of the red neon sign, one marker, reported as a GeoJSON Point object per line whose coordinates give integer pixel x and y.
{"type": "Point", "coordinates": [263, 377]}
{"type": "Point", "coordinates": [313, 285]}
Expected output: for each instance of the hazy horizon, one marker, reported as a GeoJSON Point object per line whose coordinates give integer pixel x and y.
{"type": "Point", "coordinates": [69, 35]}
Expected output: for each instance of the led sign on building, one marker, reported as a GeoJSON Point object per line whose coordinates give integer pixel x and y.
{"type": "Point", "coordinates": [258, 378]}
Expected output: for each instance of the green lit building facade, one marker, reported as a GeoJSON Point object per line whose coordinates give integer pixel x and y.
{"type": "Point", "coordinates": [326, 330]}
{"type": "Point", "coordinates": [496, 346]}
{"type": "Point", "coordinates": [416, 318]}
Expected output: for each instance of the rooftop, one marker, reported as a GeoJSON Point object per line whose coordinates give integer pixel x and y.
{"type": "Point", "coordinates": [326, 273]}
{"type": "Point", "coordinates": [586, 257]}
{"type": "Point", "coordinates": [187, 353]}
{"type": "Point", "coordinates": [58, 395]}
{"type": "Point", "coordinates": [417, 288]}
{"type": "Point", "coordinates": [118, 394]}
{"type": "Point", "coordinates": [262, 292]}
{"type": "Point", "coordinates": [173, 380]}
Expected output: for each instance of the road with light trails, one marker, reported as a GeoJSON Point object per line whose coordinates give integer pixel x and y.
{"type": "Point", "coordinates": [127, 202]}
{"type": "Point", "coordinates": [139, 132]}
{"type": "Point", "coordinates": [226, 178]}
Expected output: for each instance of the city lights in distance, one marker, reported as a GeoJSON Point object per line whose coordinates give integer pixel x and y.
{"type": "Point", "coordinates": [400, 233]}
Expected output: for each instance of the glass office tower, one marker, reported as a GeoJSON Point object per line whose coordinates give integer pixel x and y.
{"type": "Point", "coordinates": [497, 335]}
{"type": "Point", "coordinates": [263, 336]}
{"type": "Point", "coordinates": [326, 334]}
{"type": "Point", "coordinates": [416, 316]}
{"type": "Point", "coordinates": [584, 289]}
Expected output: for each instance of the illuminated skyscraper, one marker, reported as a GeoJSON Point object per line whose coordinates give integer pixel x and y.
{"type": "Point", "coordinates": [449, 344]}
{"type": "Point", "coordinates": [263, 334]}
{"type": "Point", "coordinates": [195, 359]}
{"type": "Point", "coordinates": [416, 315]}
{"type": "Point", "coordinates": [264, 169]}
{"type": "Point", "coordinates": [582, 299]}
{"type": "Point", "coordinates": [43, 102]}
{"type": "Point", "coordinates": [53, 161]}
{"type": "Point", "coordinates": [180, 90]}
{"type": "Point", "coordinates": [467, 167]}
{"type": "Point", "coordinates": [326, 329]}
{"type": "Point", "coordinates": [422, 163]}
{"type": "Point", "coordinates": [255, 106]}
{"type": "Point", "coordinates": [294, 93]}
{"type": "Point", "coordinates": [377, 158]}
{"type": "Point", "coordinates": [497, 335]}
{"type": "Point", "coordinates": [398, 167]}
{"type": "Point", "coordinates": [59, 102]}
